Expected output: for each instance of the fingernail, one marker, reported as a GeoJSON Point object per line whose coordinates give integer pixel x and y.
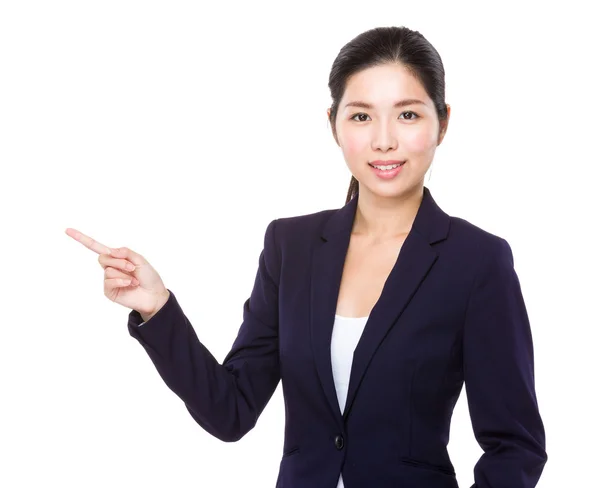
{"type": "Point", "coordinates": [130, 267]}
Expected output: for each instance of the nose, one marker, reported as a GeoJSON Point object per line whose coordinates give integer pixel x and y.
{"type": "Point", "coordinates": [384, 138]}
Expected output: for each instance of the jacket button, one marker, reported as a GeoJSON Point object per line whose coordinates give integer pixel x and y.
{"type": "Point", "coordinates": [339, 442]}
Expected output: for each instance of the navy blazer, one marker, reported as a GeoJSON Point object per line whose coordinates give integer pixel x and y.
{"type": "Point", "coordinates": [451, 311]}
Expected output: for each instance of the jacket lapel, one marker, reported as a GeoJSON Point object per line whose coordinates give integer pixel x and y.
{"type": "Point", "coordinates": [414, 261]}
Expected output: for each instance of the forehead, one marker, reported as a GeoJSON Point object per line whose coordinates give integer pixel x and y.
{"type": "Point", "coordinates": [385, 84]}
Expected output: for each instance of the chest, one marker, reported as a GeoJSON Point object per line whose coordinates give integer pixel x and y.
{"type": "Point", "coordinates": [366, 269]}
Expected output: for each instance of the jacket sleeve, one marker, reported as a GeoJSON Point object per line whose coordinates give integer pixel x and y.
{"type": "Point", "coordinates": [499, 377]}
{"type": "Point", "coordinates": [224, 399]}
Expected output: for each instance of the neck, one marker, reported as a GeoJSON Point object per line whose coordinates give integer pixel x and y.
{"type": "Point", "coordinates": [382, 218]}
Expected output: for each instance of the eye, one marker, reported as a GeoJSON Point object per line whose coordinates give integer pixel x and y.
{"type": "Point", "coordinates": [410, 112]}
{"type": "Point", "coordinates": [414, 116]}
{"type": "Point", "coordinates": [360, 113]}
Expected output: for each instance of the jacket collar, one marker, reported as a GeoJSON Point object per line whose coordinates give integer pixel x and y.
{"type": "Point", "coordinates": [415, 260]}
{"type": "Point", "coordinates": [431, 222]}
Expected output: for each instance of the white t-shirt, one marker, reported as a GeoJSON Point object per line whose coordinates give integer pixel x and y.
{"type": "Point", "coordinates": [344, 338]}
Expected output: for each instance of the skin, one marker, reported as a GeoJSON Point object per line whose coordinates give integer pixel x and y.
{"type": "Point", "coordinates": [129, 279]}
{"type": "Point", "coordinates": [387, 208]}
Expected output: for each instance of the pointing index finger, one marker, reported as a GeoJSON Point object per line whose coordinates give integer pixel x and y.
{"type": "Point", "coordinates": [88, 241]}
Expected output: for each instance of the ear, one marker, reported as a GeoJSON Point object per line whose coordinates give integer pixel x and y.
{"type": "Point", "coordinates": [332, 126]}
{"type": "Point", "coordinates": [444, 126]}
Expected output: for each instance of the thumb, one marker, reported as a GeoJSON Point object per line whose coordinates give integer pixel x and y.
{"type": "Point", "coordinates": [126, 253]}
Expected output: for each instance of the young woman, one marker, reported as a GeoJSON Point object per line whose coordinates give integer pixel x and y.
{"type": "Point", "coordinates": [372, 315]}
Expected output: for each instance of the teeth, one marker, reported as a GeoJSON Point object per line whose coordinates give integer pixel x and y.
{"type": "Point", "coordinates": [391, 166]}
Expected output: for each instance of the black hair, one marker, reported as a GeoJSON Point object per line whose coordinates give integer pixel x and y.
{"type": "Point", "coordinates": [383, 45]}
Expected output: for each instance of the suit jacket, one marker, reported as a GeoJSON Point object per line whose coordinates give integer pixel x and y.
{"type": "Point", "coordinates": [451, 312]}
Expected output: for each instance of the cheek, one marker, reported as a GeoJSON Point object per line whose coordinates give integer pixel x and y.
{"type": "Point", "coordinates": [355, 144]}
{"type": "Point", "coordinates": [420, 142]}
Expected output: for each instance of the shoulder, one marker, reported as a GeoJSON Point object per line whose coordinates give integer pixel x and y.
{"type": "Point", "coordinates": [466, 230]}
{"type": "Point", "coordinates": [482, 244]}
{"type": "Point", "coordinates": [464, 237]}
{"type": "Point", "coordinates": [302, 226]}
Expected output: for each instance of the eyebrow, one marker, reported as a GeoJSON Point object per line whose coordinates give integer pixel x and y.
{"type": "Point", "coordinates": [401, 103]}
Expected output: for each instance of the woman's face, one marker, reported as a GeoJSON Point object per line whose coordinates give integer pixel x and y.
{"type": "Point", "coordinates": [370, 129]}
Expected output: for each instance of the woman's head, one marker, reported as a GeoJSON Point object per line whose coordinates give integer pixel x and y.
{"type": "Point", "coordinates": [372, 72]}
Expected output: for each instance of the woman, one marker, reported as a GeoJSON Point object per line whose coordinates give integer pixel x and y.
{"type": "Point", "coordinates": [372, 315]}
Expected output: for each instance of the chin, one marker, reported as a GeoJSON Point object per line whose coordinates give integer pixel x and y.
{"type": "Point", "coordinates": [387, 191]}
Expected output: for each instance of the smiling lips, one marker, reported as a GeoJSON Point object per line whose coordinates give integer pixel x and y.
{"type": "Point", "coordinates": [386, 165]}
{"type": "Point", "coordinates": [387, 170]}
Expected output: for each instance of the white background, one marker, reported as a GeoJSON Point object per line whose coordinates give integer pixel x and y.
{"type": "Point", "coordinates": [181, 130]}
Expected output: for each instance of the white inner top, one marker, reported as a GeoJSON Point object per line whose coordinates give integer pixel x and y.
{"type": "Point", "coordinates": [344, 338]}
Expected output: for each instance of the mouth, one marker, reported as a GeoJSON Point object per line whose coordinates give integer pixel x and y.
{"type": "Point", "coordinates": [387, 166]}
{"type": "Point", "coordinates": [387, 170]}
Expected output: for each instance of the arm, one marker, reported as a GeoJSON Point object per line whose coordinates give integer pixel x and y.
{"type": "Point", "coordinates": [499, 377]}
{"type": "Point", "coordinates": [225, 399]}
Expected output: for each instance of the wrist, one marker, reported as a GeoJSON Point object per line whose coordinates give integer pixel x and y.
{"type": "Point", "coordinates": [160, 304]}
